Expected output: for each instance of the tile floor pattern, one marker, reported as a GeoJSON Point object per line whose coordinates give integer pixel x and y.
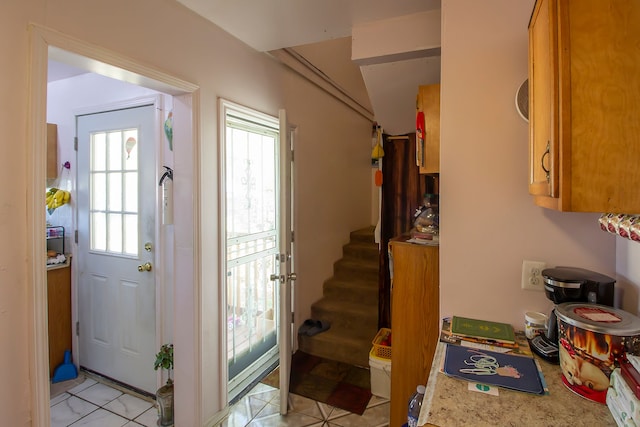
{"type": "Point", "coordinates": [261, 407]}
{"type": "Point", "coordinates": [95, 404]}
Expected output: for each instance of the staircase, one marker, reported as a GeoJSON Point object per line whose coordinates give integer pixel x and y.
{"type": "Point", "coordinates": [349, 304]}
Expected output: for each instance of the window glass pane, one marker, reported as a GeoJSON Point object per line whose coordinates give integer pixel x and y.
{"type": "Point", "coordinates": [131, 191]}
{"type": "Point", "coordinates": [115, 150]}
{"type": "Point", "coordinates": [251, 202]}
{"type": "Point", "coordinates": [130, 138]}
{"type": "Point", "coordinates": [98, 231]}
{"type": "Point", "coordinates": [131, 234]}
{"type": "Point", "coordinates": [240, 247]}
{"type": "Point", "coordinates": [115, 232]}
{"type": "Point", "coordinates": [98, 191]}
{"type": "Point", "coordinates": [115, 191]}
{"type": "Point", "coordinates": [98, 151]}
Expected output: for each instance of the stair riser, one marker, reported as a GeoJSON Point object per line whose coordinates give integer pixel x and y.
{"type": "Point", "coordinates": [362, 237]}
{"type": "Point", "coordinates": [361, 324]}
{"type": "Point", "coordinates": [359, 252]}
{"type": "Point", "coordinates": [344, 269]}
{"type": "Point", "coordinates": [359, 295]}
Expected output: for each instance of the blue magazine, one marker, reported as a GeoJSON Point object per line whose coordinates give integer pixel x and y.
{"type": "Point", "coordinates": [500, 369]}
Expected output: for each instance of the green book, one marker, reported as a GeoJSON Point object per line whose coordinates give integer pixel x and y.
{"type": "Point", "coordinates": [484, 329]}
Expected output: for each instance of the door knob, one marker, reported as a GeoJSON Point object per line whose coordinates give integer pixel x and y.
{"type": "Point", "coordinates": [292, 276]}
{"type": "Point", "coordinates": [145, 267]}
{"type": "Point", "coordinates": [275, 278]}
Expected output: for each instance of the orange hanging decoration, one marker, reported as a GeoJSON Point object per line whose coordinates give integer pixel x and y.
{"type": "Point", "coordinates": [378, 178]}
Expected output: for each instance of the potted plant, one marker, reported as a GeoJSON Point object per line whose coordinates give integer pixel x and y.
{"type": "Point", "coordinates": [164, 395]}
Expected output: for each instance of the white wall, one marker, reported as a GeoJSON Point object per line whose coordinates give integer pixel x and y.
{"type": "Point", "coordinates": [332, 161]}
{"type": "Point", "coordinates": [489, 223]}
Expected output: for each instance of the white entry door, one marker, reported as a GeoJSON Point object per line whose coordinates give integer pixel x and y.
{"type": "Point", "coordinates": [287, 274]}
{"type": "Point", "coordinates": [116, 244]}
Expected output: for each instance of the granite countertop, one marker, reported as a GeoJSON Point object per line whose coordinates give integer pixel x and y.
{"type": "Point", "coordinates": [448, 402]}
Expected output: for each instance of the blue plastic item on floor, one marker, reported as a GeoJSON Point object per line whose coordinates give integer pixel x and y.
{"type": "Point", "coordinates": [66, 370]}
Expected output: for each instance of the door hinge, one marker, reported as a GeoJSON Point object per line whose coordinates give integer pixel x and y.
{"type": "Point", "coordinates": [75, 143]}
{"type": "Point", "coordinates": [293, 236]}
{"type": "Point", "coordinates": [77, 329]}
{"type": "Point", "coordinates": [292, 155]}
{"type": "Point", "coordinates": [293, 318]}
{"type": "Point", "coordinates": [75, 236]}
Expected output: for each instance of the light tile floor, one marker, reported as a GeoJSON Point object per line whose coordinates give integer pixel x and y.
{"type": "Point", "coordinates": [95, 404]}
{"type": "Point", "coordinates": [260, 407]}
{"type": "Point", "coordinates": [90, 403]}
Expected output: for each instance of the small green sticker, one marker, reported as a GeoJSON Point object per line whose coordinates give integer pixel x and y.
{"type": "Point", "coordinates": [482, 387]}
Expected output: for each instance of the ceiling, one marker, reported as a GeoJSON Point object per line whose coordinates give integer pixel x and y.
{"type": "Point", "coordinates": [269, 25]}
{"type": "Point", "coordinates": [321, 31]}
{"type": "Point", "coordinates": [59, 70]}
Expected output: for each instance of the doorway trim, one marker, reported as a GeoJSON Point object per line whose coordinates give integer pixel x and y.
{"type": "Point", "coordinates": [44, 41]}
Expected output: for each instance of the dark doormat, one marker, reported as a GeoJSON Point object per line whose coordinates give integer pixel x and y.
{"type": "Point", "coordinates": [337, 384]}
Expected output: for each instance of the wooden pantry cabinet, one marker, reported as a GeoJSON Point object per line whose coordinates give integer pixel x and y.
{"type": "Point", "coordinates": [584, 104]}
{"type": "Point", "coordinates": [59, 313]}
{"type": "Point", "coordinates": [415, 320]}
{"type": "Point", "coordinates": [428, 149]}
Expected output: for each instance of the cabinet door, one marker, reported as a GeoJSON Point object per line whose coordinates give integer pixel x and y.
{"type": "Point", "coordinates": [429, 151]}
{"type": "Point", "coordinates": [543, 98]}
{"type": "Point", "coordinates": [415, 321]}
{"type": "Point", "coordinates": [583, 79]}
{"type": "Point", "coordinates": [59, 314]}
{"type": "Point", "coordinates": [52, 151]}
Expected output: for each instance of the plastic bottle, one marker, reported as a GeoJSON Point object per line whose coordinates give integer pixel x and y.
{"type": "Point", "coordinates": [414, 406]}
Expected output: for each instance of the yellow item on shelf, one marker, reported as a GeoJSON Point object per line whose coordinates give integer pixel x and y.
{"type": "Point", "coordinates": [56, 198]}
{"type": "Point", "coordinates": [378, 151]}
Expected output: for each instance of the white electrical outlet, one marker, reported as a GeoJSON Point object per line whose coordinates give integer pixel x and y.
{"type": "Point", "coordinates": [532, 275]}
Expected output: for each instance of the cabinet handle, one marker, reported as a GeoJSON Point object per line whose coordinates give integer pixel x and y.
{"type": "Point", "coordinates": [546, 153]}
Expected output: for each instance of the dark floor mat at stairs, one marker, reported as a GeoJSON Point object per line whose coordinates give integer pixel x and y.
{"type": "Point", "coordinates": [335, 383]}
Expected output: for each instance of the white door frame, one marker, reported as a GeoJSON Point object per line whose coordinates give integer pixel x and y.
{"type": "Point", "coordinates": [44, 41]}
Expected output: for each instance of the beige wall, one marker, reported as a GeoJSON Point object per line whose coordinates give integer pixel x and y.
{"type": "Point", "coordinates": [489, 224]}
{"type": "Point", "coordinates": [628, 274]}
{"type": "Point", "coordinates": [332, 158]}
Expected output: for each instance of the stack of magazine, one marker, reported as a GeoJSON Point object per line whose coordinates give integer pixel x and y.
{"type": "Point", "coordinates": [491, 353]}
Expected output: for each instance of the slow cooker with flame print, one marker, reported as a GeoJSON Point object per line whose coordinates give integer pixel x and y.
{"type": "Point", "coordinates": [591, 339]}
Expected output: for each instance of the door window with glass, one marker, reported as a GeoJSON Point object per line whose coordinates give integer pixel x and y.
{"type": "Point", "coordinates": [251, 150]}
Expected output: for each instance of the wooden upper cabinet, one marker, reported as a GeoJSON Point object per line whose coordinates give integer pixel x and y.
{"type": "Point", "coordinates": [428, 151]}
{"type": "Point", "coordinates": [584, 104]}
{"type": "Point", "coordinates": [52, 151]}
